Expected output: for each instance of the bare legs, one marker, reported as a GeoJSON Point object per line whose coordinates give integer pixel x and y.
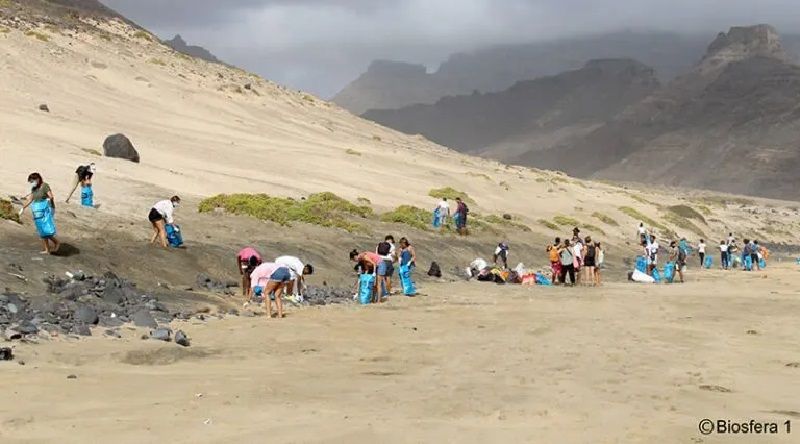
{"type": "Point", "coordinates": [159, 232]}
{"type": "Point", "coordinates": [276, 288]}
{"type": "Point", "coordinates": [46, 242]}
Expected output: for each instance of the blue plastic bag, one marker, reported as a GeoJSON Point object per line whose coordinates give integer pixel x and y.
{"type": "Point", "coordinates": [641, 264]}
{"type": "Point", "coordinates": [437, 222]}
{"type": "Point", "coordinates": [366, 284]}
{"type": "Point", "coordinates": [709, 262]}
{"type": "Point", "coordinates": [174, 236]}
{"type": "Point", "coordinates": [656, 275]}
{"type": "Point", "coordinates": [409, 289]}
{"type": "Point", "coordinates": [669, 272]}
{"type": "Point", "coordinates": [541, 279]}
{"type": "Point", "coordinates": [87, 196]}
{"type": "Point", "coordinates": [43, 218]}
{"type": "Point", "coordinates": [762, 263]}
{"type": "Point", "coordinates": [748, 263]}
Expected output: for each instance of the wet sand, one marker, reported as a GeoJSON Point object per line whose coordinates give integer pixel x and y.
{"type": "Point", "coordinates": [469, 362]}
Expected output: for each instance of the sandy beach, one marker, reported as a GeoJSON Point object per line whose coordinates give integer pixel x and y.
{"type": "Point", "coordinates": [468, 362]}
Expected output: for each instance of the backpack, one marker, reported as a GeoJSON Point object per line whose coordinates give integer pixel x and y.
{"type": "Point", "coordinates": [466, 208]}
{"type": "Point", "coordinates": [554, 254]}
{"type": "Point", "coordinates": [384, 248]}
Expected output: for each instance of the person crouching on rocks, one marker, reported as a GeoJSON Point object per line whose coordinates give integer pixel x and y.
{"type": "Point", "coordinates": [268, 280]}
{"type": "Point", "coordinates": [246, 261]}
{"type": "Point", "coordinates": [43, 207]}
{"type": "Point", "coordinates": [160, 215]}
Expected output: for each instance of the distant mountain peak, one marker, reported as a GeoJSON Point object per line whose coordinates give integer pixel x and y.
{"type": "Point", "coordinates": [179, 44]}
{"type": "Point", "coordinates": [742, 42]}
{"type": "Point", "coordinates": [395, 67]}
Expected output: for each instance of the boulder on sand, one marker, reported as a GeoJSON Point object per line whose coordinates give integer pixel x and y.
{"type": "Point", "coordinates": [119, 146]}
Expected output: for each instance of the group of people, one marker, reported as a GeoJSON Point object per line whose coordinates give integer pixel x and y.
{"type": "Point", "coordinates": [442, 215]}
{"type": "Point", "coordinates": [580, 258]}
{"type": "Point", "coordinates": [380, 263]}
{"type": "Point", "coordinates": [271, 280]}
{"type": "Point", "coordinates": [751, 256]}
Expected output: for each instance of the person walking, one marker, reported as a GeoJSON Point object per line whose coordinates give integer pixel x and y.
{"type": "Point", "coordinates": [43, 207]}
{"type": "Point", "coordinates": [724, 260]}
{"type": "Point", "coordinates": [83, 178]}
{"type": "Point", "coordinates": [444, 212]}
{"type": "Point", "coordinates": [462, 211]}
{"type": "Point", "coordinates": [567, 266]}
{"type": "Point", "coordinates": [701, 251]}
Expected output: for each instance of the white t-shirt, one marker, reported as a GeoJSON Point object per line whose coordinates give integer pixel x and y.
{"type": "Point", "coordinates": [652, 250]}
{"type": "Point", "coordinates": [723, 247]}
{"type": "Point", "coordinates": [578, 250]}
{"type": "Point", "coordinates": [444, 207]}
{"type": "Point", "coordinates": [642, 230]}
{"type": "Point", "coordinates": [165, 209]}
{"type": "Point", "coordinates": [294, 265]}
{"type": "Point", "coordinates": [701, 248]}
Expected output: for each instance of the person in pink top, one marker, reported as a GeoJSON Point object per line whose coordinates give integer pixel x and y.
{"type": "Point", "coordinates": [367, 262]}
{"type": "Point", "coordinates": [269, 279]}
{"type": "Point", "coordinates": [246, 261]}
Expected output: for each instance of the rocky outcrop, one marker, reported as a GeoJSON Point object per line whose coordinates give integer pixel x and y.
{"type": "Point", "coordinates": [180, 45]}
{"type": "Point", "coordinates": [743, 42]}
{"type": "Point", "coordinates": [476, 123]}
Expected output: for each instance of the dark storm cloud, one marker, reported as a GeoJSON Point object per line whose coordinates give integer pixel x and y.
{"type": "Point", "coordinates": [320, 45]}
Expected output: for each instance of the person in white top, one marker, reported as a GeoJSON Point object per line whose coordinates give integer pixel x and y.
{"type": "Point", "coordinates": [298, 270]}
{"type": "Point", "coordinates": [577, 250]}
{"type": "Point", "coordinates": [160, 215]}
{"type": "Point", "coordinates": [701, 251]}
{"type": "Point", "coordinates": [652, 255]}
{"type": "Point", "coordinates": [642, 233]}
{"type": "Point", "coordinates": [444, 212]}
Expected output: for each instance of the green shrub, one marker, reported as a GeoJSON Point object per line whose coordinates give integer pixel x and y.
{"type": "Point", "coordinates": [592, 229]}
{"type": "Point", "coordinates": [684, 223]}
{"type": "Point", "coordinates": [687, 212]}
{"type": "Point", "coordinates": [723, 201]}
{"type": "Point", "coordinates": [324, 209]}
{"type": "Point", "coordinates": [548, 224]}
{"type": "Point", "coordinates": [608, 220]}
{"type": "Point", "coordinates": [38, 35]}
{"type": "Point", "coordinates": [144, 35]}
{"type": "Point", "coordinates": [91, 151]}
{"type": "Point", "coordinates": [352, 152]}
{"type": "Point", "coordinates": [409, 215]}
{"type": "Point", "coordinates": [566, 221]}
{"type": "Point", "coordinates": [7, 211]}
{"type": "Point", "coordinates": [157, 61]}
{"type": "Point", "coordinates": [635, 214]}
{"type": "Point", "coordinates": [364, 201]}
{"type": "Point", "coordinates": [498, 220]}
{"type": "Point", "coordinates": [450, 193]}
{"type": "Point", "coordinates": [705, 210]}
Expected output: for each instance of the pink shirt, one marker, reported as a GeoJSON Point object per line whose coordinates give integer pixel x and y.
{"type": "Point", "coordinates": [374, 257]}
{"type": "Point", "coordinates": [247, 253]}
{"type": "Point", "coordinates": [262, 273]}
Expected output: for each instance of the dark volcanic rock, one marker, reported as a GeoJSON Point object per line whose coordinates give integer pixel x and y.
{"type": "Point", "coordinates": [108, 321]}
{"type": "Point", "coordinates": [182, 339]}
{"type": "Point", "coordinates": [119, 146]}
{"type": "Point", "coordinates": [81, 330]}
{"type": "Point", "coordinates": [85, 314]}
{"type": "Point", "coordinates": [143, 318]}
{"type": "Point", "coordinates": [161, 334]}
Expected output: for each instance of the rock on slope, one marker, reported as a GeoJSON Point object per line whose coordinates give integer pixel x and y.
{"type": "Point", "coordinates": [180, 45]}
{"type": "Point", "coordinates": [730, 125]}
{"type": "Point", "coordinates": [545, 107]}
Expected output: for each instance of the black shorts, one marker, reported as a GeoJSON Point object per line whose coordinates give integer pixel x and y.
{"type": "Point", "coordinates": [589, 262]}
{"type": "Point", "coordinates": [754, 257]}
{"type": "Point", "coordinates": [154, 215]}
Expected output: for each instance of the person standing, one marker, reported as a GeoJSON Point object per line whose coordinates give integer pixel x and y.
{"type": "Point", "coordinates": [754, 255]}
{"type": "Point", "coordinates": [500, 255]}
{"type": "Point", "coordinates": [567, 263]}
{"type": "Point", "coordinates": [462, 211]}
{"type": "Point", "coordinates": [161, 214]}
{"type": "Point", "coordinates": [590, 262]}
{"type": "Point", "coordinates": [83, 178]}
{"type": "Point", "coordinates": [601, 260]}
{"type": "Point", "coordinates": [642, 234]}
{"type": "Point", "coordinates": [652, 254]}
{"type": "Point", "coordinates": [444, 212]}
{"type": "Point", "coordinates": [43, 207]}
{"type": "Point", "coordinates": [723, 247]}
{"type": "Point", "coordinates": [555, 260]}
{"type": "Point", "coordinates": [701, 251]}
{"type": "Point", "coordinates": [386, 250]}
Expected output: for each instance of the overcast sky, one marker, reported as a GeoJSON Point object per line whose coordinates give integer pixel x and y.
{"type": "Point", "coordinates": [321, 45]}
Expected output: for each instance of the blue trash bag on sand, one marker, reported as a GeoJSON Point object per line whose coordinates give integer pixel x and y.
{"type": "Point", "coordinates": [657, 275]}
{"type": "Point", "coordinates": [669, 272]}
{"type": "Point", "coordinates": [708, 262]}
{"type": "Point", "coordinates": [87, 196]}
{"type": "Point", "coordinates": [641, 264]}
{"type": "Point", "coordinates": [543, 280]}
{"type": "Point", "coordinates": [174, 236]}
{"type": "Point", "coordinates": [437, 222]}
{"type": "Point", "coordinates": [409, 289]}
{"type": "Point", "coordinates": [43, 218]}
{"type": "Point", "coordinates": [748, 263]}
{"type": "Point", "coordinates": [366, 284]}
{"type": "Point", "coordinates": [762, 263]}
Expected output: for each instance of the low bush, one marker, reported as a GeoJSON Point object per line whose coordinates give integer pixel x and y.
{"type": "Point", "coordinates": [144, 35]}
{"type": "Point", "coordinates": [687, 212]}
{"type": "Point", "coordinates": [592, 229]}
{"type": "Point", "coordinates": [91, 151]}
{"type": "Point", "coordinates": [157, 61]}
{"type": "Point", "coordinates": [499, 220]}
{"type": "Point", "coordinates": [548, 224]}
{"type": "Point", "coordinates": [683, 223]}
{"type": "Point", "coordinates": [323, 209]}
{"type": "Point", "coordinates": [409, 215]}
{"type": "Point", "coordinates": [566, 221]}
{"type": "Point", "coordinates": [38, 35]}
{"type": "Point", "coordinates": [608, 220]}
{"type": "Point", "coordinates": [635, 214]}
{"type": "Point", "coordinates": [7, 211]}
{"type": "Point", "coordinates": [451, 194]}
{"type": "Point", "coordinates": [352, 152]}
